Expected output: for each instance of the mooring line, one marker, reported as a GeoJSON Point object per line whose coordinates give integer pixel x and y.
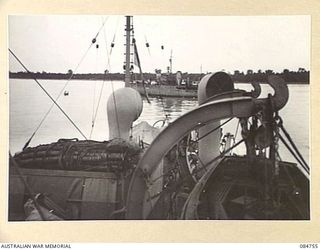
{"type": "Point", "coordinates": [47, 93]}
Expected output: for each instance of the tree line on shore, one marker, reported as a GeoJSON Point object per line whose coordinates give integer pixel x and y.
{"type": "Point", "coordinates": [300, 76]}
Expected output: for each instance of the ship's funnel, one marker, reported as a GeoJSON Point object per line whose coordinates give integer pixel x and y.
{"type": "Point", "coordinates": [124, 107]}
{"type": "Point", "coordinates": [211, 85]}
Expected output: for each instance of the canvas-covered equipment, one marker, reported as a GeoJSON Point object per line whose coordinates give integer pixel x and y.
{"type": "Point", "coordinates": [72, 154]}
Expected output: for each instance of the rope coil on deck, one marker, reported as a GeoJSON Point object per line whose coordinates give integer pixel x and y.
{"type": "Point", "coordinates": [72, 154]}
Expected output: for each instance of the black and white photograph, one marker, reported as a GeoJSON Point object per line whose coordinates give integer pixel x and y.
{"type": "Point", "coordinates": [159, 117]}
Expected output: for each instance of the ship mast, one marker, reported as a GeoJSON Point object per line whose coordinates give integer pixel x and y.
{"type": "Point", "coordinates": [127, 62]}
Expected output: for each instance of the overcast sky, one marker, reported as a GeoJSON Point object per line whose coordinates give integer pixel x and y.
{"type": "Point", "coordinates": [57, 43]}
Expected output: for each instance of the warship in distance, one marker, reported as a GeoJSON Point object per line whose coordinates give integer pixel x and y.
{"type": "Point", "coordinates": [169, 174]}
{"type": "Point", "coordinates": [165, 85]}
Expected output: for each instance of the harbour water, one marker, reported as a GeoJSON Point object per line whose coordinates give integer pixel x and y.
{"type": "Point", "coordinates": [28, 104]}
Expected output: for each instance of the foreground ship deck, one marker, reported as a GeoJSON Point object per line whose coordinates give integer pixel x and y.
{"type": "Point", "coordinates": [172, 176]}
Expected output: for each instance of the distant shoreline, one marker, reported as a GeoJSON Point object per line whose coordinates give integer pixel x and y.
{"type": "Point", "coordinates": [292, 78]}
{"type": "Point", "coordinates": [288, 83]}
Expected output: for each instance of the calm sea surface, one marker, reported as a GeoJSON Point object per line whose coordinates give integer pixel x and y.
{"type": "Point", "coordinates": [28, 104]}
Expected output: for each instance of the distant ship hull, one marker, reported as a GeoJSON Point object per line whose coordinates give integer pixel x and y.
{"type": "Point", "coordinates": [166, 91]}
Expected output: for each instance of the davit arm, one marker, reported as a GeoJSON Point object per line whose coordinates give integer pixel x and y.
{"type": "Point", "coordinates": [238, 106]}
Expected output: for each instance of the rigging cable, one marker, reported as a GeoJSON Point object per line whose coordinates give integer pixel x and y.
{"type": "Point", "coordinates": [236, 133]}
{"type": "Point", "coordinates": [64, 87]}
{"type": "Point", "coordinates": [137, 59]}
{"type": "Point", "coordinates": [166, 115]}
{"type": "Point", "coordinates": [147, 44]}
{"type": "Point", "coordinates": [222, 154]}
{"type": "Point", "coordinates": [54, 101]}
{"type": "Point", "coordinates": [112, 85]}
{"type": "Point", "coordinates": [141, 24]}
{"type": "Point", "coordinates": [293, 149]}
{"type": "Point", "coordinates": [215, 129]}
{"type": "Point", "coordinates": [97, 108]}
{"type": "Point", "coordinates": [104, 79]}
{"type": "Point", "coordinates": [159, 93]}
{"type": "Point", "coordinates": [306, 168]}
{"type": "Point", "coordinates": [114, 38]}
{"type": "Point", "coordinates": [293, 145]}
{"type": "Point", "coordinates": [94, 94]}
